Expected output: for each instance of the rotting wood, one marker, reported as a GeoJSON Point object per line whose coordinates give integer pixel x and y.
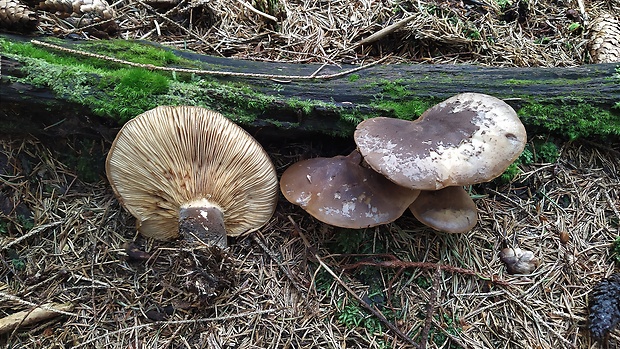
{"type": "Point", "coordinates": [331, 106]}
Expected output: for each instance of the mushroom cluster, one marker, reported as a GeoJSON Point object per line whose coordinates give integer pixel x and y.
{"type": "Point", "coordinates": [191, 172]}
{"type": "Point", "coordinates": [467, 139]}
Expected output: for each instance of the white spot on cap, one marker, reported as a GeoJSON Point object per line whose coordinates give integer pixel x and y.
{"type": "Point", "coordinates": [304, 199]}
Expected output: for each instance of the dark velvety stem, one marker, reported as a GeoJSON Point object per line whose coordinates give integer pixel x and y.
{"type": "Point", "coordinates": [205, 224]}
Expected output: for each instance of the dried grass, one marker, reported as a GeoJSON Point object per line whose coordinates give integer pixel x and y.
{"type": "Point", "coordinates": [77, 254]}
{"type": "Point", "coordinates": [490, 32]}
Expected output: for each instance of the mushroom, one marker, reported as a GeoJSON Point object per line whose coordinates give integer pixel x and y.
{"type": "Point", "coordinates": [519, 261]}
{"type": "Point", "coordinates": [188, 171]}
{"type": "Point", "coordinates": [449, 210]}
{"type": "Point", "coordinates": [340, 192]}
{"type": "Point", "coordinates": [469, 138]}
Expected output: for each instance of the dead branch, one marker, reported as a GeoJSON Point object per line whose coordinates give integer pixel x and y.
{"type": "Point", "coordinates": [394, 262]}
{"type": "Point", "coordinates": [430, 309]}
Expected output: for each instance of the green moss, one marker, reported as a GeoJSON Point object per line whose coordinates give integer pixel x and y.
{"type": "Point", "coordinates": [25, 222]}
{"type": "Point", "coordinates": [353, 77]}
{"type": "Point", "coordinates": [407, 109]}
{"type": "Point", "coordinates": [396, 101]}
{"type": "Point", "coordinates": [540, 151]}
{"type": "Point", "coordinates": [395, 89]}
{"type": "Point", "coordinates": [130, 92]}
{"type": "Point", "coordinates": [19, 264]}
{"type": "Point", "coordinates": [136, 52]}
{"type": "Point", "coordinates": [510, 173]}
{"type": "Point", "coordinates": [119, 92]}
{"type": "Point", "coordinates": [305, 106]}
{"type": "Point", "coordinates": [4, 227]}
{"type": "Point", "coordinates": [615, 250]}
{"type": "Point", "coordinates": [573, 121]}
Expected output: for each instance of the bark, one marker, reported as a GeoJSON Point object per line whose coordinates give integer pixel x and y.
{"type": "Point", "coordinates": [331, 106]}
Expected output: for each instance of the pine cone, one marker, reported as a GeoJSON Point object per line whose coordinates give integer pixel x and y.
{"type": "Point", "coordinates": [605, 39]}
{"type": "Point", "coordinates": [15, 15]}
{"type": "Point", "coordinates": [90, 10]}
{"type": "Point", "coordinates": [604, 304]}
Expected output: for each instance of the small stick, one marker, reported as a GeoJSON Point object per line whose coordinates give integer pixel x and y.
{"type": "Point", "coordinates": [32, 232]}
{"type": "Point", "coordinates": [207, 72]}
{"type": "Point", "coordinates": [384, 32]}
{"type": "Point", "coordinates": [584, 14]}
{"type": "Point", "coordinates": [396, 263]}
{"type": "Point", "coordinates": [374, 311]}
{"type": "Point", "coordinates": [430, 309]}
{"type": "Point", "coordinates": [45, 307]}
{"type": "Point", "coordinates": [33, 316]}
{"type": "Point", "coordinates": [260, 13]}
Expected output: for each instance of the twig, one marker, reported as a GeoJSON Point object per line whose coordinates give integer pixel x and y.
{"type": "Point", "coordinates": [275, 258]}
{"type": "Point", "coordinates": [384, 32]}
{"type": "Point", "coordinates": [177, 322]}
{"type": "Point", "coordinates": [430, 309]}
{"type": "Point", "coordinates": [260, 13]}
{"type": "Point", "coordinates": [206, 72]}
{"type": "Point", "coordinates": [396, 263]}
{"type": "Point", "coordinates": [611, 204]}
{"type": "Point", "coordinates": [374, 311]}
{"type": "Point", "coordinates": [45, 307]}
{"type": "Point", "coordinates": [32, 232]}
{"type": "Point", "coordinates": [32, 316]}
{"type": "Point", "coordinates": [584, 14]}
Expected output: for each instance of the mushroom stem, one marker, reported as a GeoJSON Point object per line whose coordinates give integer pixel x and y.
{"type": "Point", "coordinates": [204, 221]}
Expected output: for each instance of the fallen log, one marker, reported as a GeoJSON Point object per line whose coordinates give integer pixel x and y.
{"type": "Point", "coordinates": [59, 87]}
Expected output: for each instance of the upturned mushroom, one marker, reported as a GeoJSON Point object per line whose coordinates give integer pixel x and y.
{"type": "Point", "coordinates": [188, 171]}
{"type": "Point", "coordinates": [469, 138]}
{"type": "Point", "coordinates": [341, 192]}
{"type": "Point", "coordinates": [450, 210]}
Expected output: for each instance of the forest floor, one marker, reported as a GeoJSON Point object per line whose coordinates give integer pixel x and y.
{"type": "Point", "coordinates": [65, 241]}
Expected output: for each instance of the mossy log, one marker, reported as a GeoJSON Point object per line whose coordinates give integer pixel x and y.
{"type": "Point", "coordinates": [47, 91]}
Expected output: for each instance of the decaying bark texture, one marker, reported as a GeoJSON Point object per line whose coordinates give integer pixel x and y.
{"type": "Point", "coordinates": [303, 107]}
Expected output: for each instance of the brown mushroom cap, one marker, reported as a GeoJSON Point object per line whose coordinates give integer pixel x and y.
{"type": "Point", "coordinates": [469, 138]}
{"type": "Point", "coordinates": [340, 192]}
{"type": "Point", "coordinates": [170, 159]}
{"type": "Point", "coordinates": [450, 210]}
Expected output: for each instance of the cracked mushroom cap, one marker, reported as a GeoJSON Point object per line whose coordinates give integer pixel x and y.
{"type": "Point", "coordinates": [172, 159]}
{"type": "Point", "coordinates": [466, 139]}
{"type": "Point", "coordinates": [340, 192]}
{"type": "Point", "coordinates": [450, 210]}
